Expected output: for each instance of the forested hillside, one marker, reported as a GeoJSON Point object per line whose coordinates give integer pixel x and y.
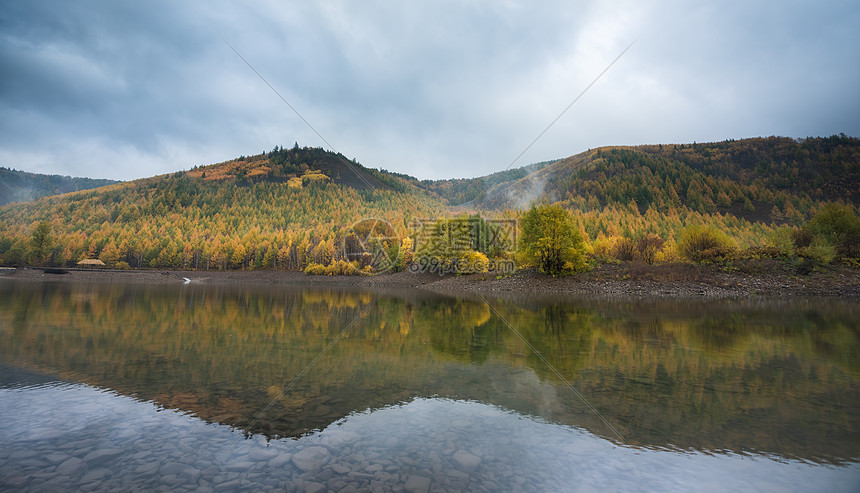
{"type": "Point", "coordinates": [295, 208]}
{"type": "Point", "coordinates": [738, 177]}
{"type": "Point", "coordinates": [282, 209]}
{"type": "Point", "coordinates": [300, 165]}
{"type": "Point", "coordinates": [741, 187]}
{"type": "Point", "coordinates": [20, 186]}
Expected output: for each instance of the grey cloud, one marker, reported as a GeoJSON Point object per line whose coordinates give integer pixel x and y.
{"type": "Point", "coordinates": [434, 89]}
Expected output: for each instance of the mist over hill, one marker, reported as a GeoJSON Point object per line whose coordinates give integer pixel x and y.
{"type": "Point", "coordinates": [759, 179]}
{"type": "Point", "coordinates": [21, 186]}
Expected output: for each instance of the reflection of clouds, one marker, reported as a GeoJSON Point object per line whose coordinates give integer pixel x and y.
{"type": "Point", "coordinates": [451, 444]}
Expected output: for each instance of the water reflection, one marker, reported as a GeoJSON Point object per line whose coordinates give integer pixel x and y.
{"type": "Point", "coordinates": [105, 441]}
{"type": "Point", "coordinates": [716, 377]}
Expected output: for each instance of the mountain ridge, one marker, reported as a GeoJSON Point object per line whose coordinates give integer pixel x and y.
{"type": "Point", "coordinates": [289, 208]}
{"type": "Point", "coordinates": [22, 186]}
{"type": "Point", "coordinates": [733, 176]}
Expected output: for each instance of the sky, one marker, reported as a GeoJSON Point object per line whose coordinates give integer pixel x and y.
{"type": "Point", "coordinates": [434, 89]}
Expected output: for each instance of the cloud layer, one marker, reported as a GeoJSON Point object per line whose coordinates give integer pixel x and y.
{"type": "Point", "coordinates": [435, 89]}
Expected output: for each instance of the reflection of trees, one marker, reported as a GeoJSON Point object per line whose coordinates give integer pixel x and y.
{"type": "Point", "coordinates": [560, 333]}
{"type": "Point", "coordinates": [553, 320]}
{"type": "Point", "coordinates": [459, 329]}
{"type": "Point", "coordinates": [719, 333]}
{"type": "Point", "coordinates": [781, 380]}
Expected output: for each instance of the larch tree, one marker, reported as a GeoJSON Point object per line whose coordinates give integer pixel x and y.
{"type": "Point", "coordinates": [41, 242]}
{"type": "Point", "coordinates": [551, 240]}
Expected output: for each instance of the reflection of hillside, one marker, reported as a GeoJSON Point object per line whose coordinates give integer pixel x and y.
{"type": "Point", "coordinates": [779, 379]}
{"type": "Point", "coordinates": [721, 376]}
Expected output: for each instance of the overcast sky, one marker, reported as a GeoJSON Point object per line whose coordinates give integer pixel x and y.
{"type": "Point", "coordinates": [436, 89]}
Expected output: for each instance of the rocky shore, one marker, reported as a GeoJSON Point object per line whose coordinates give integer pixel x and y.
{"type": "Point", "coordinates": [751, 279]}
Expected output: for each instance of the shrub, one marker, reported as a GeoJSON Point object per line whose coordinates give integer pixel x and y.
{"type": "Point", "coordinates": [336, 268]}
{"type": "Point", "coordinates": [575, 262]}
{"type": "Point", "coordinates": [14, 256]}
{"type": "Point", "coordinates": [315, 269]}
{"type": "Point", "coordinates": [804, 266]}
{"type": "Point", "coordinates": [603, 248]}
{"type": "Point", "coordinates": [757, 253]}
{"type": "Point", "coordinates": [782, 239]}
{"type": "Point", "coordinates": [365, 260]}
{"type": "Point", "coordinates": [470, 262]}
{"type": "Point", "coordinates": [625, 250]}
{"type": "Point", "coordinates": [820, 250]}
{"type": "Point", "coordinates": [342, 268]}
{"type": "Point", "coordinates": [793, 243]}
{"type": "Point", "coordinates": [668, 254]}
{"type": "Point", "coordinates": [122, 265]}
{"type": "Point", "coordinates": [801, 238]}
{"type": "Point", "coordinates": [839, 226]}
{"type": "Point", "coordinates": [704, 244]}
{"type": "Point", "coordinates": [648, 246]}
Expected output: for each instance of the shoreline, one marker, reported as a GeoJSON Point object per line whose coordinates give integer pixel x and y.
{"type": "Point", "coordinates": [630, 280]}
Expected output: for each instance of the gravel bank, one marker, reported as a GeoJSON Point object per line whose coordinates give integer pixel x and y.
{"type": "Point", "coordinates": [758, 279]}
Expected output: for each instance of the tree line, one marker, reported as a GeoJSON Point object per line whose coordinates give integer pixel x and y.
{"type": "Point", "coordinates": [620, 204]}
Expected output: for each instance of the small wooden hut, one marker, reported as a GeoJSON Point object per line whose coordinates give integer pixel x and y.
{"type": "Point", "coordinates": [91, 263]}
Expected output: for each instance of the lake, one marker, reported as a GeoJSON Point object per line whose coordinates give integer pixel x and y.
{"type": "Point", "coordinates": [108, 387]}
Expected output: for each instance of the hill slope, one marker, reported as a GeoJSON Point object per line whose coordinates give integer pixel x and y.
{"type": "Point", "coordinates": [278, 210]}
{"type": "Point", "coordinates": [299, 164]}
{"type": "Point", "coordinates": [291, 207]}
{"type": "Point", "coordinates": [20, 186]}
{"type": "Point", "coordinates": [463, 191]}
{"type": "Point", "coordinates": [763, 179]}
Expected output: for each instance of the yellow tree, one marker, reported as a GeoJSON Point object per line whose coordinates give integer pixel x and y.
{"type": "Point", "coordinates": [187, 254]}
{"type": "Point", "coordinates": [239, 255]}
{"type": "Point", "coordinates": [284, 255]}
{"type": "Point", "coordinates": [110, 254]}
{"type": "Point", "coordinates": [407, 251]}
{"type": "Point", "coordinates": [41, 242]}
{"type": "Point", "coordinates": [551, 240]}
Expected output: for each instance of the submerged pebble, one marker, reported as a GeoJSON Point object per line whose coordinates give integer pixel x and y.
{"type": "Point", "coordinates": [424, 446]}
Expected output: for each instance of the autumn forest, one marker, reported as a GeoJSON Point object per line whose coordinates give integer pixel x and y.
{"type": "Point", "coordinates": [301, 208]}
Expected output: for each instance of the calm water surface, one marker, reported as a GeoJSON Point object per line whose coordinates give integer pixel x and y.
{"type": "Point", "coordinates": [200, 387]}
